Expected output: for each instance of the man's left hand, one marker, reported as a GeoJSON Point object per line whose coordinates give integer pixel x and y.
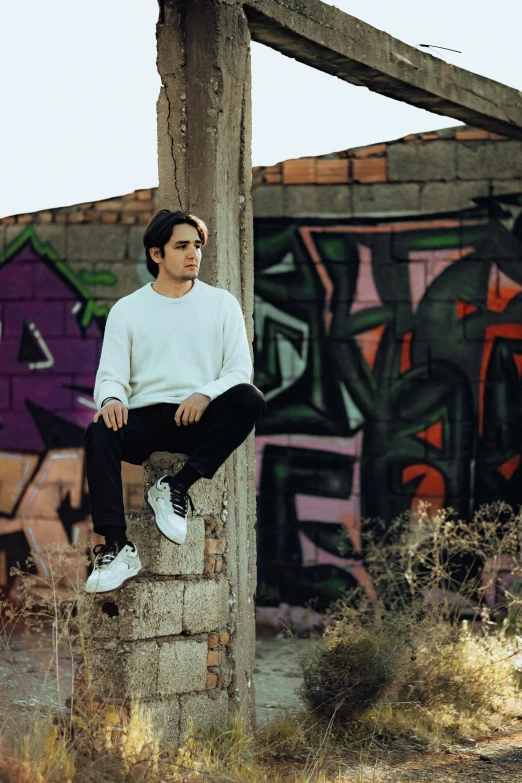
{"type": "Point", "coordinates": [192, 409]}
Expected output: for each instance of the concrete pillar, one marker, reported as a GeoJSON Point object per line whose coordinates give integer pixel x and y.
{"type": "Point", "coordinates": [182, 635]}
{"type": "Point", "coordinates": [204, 153]}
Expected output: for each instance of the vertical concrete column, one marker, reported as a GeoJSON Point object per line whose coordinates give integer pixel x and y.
{"type": "Point", "coordinates": [204, 153]}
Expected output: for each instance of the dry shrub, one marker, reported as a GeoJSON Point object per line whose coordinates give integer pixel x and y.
{"type": "Point", "coordinates": [405, 662]}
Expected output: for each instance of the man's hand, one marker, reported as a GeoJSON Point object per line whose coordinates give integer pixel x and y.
{"type": "Point", "coordinates": [192, 409]}
{"type": "Point", "coordinates": [114, 413]}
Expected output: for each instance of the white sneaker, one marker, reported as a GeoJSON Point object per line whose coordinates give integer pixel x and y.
{"type": "Point", "coordinates": [112, 568]}
{"type": "Point", "coordinates": [170, 506]}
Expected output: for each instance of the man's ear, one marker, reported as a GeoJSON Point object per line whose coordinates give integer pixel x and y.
{"type": "Point", "coordinates": [155, 254]}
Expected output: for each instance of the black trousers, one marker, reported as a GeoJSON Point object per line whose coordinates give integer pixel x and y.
{"type": "Point", "coordinates": [225, 424]}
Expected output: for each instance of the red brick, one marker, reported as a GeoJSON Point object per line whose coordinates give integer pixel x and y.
{"type": "Point", "coordinates": [60, 217]}
{"type": "Point", "coordinates": [45, 217]}
{"type": "Point", "coordinates": [114, 204]}
{"type": "Point", "coordinates": [128, 220]}
{"type": "Point", "coordinates": [144, 195]}
{"type": "Point", "coordinates": [273, 179]}
{"type": "Point", "coordinates": [136, 206]}
{"type": "Point", "coordinates": [277, 169]}
{"type": "Point", "coordinates": [211, 546]}
{"type": "Point", "coordinates": [299, 172]}
{"type": "Point", "coordinates": [213, 640]}
{"type": "Point", "coordinates": [224, 638]}
{"type": "Point", "coordinates": [369, 170]}
{"type": "Point", "coordinates": [471, 135]}
{"type": "Point", "coordinates": [375, 149]}
{"type": "Point", "coordinates": [109, 217]}
{"type": "Point", "coordinates": [332, 172]}
{"type": "Point", "coordinates": [497, 136]}
{"type": "Point", "coordinates": [144, 217]}
{"type": "Point", "coordinates": [211, 681]}
{"type": "Point", "coordinates": [430, 137]}
{"type": "Point", "coordinates": [213, 658]}
{"type": "Point", "coordinates": [23, 220]}
{"type": "Point", "coordinates": [76, 217]}
{"type": "Point", "coordinates": [410, 137]}
{"type": "Point", "coordinates": [210, 564]}
{"type": "Point", "coordinates": [8, 221]}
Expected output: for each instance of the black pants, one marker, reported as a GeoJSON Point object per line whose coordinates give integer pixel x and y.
{"type": "Point", "coordinates": [225, 424]}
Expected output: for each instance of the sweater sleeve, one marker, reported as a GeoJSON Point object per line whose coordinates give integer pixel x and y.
{"type": "Point", "coordinates": [113, 376]}
{"type": "Point", "coordinates": [237, 364]}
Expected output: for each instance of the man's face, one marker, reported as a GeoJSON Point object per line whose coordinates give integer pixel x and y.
{"type": "Point", "coordinates": [182, 254]}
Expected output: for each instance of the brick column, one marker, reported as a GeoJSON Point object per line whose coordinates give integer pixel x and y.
{"type": "Point", "coordinates": [165, 635]}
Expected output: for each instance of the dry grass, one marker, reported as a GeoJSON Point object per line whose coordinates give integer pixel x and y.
{"type": "Point", "coordinates": [403, 669]}
{"type": "Point", "coordinates": [407, 664]}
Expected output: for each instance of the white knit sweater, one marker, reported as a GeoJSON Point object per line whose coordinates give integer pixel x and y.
{"type": "Point", "coordinates": [158, 349]}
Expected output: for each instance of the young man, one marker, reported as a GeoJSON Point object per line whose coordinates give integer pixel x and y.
{"type": "Point", "coordinates": [174, 375]}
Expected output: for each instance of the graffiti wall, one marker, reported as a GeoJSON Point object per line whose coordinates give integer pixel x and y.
{"type": "Point", "coordinates": [390, 352]}
{"type": "Point", "coordinates": [51, 331]}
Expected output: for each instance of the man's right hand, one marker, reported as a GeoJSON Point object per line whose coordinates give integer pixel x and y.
{"type": "Point", "coordinates": [114, 414]}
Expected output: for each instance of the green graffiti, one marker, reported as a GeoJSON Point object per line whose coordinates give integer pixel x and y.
{"type": "Point", "coordinates": [46, 251]}
{"type": "Point", "coordinates": [97, 278]}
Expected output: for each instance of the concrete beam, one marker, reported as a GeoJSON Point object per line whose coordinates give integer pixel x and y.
{"type": "Point", "coordinates": [329, 40]}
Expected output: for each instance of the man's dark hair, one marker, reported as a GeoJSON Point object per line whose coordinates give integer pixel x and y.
{"type": "Point", "coordinates": [159, 231]}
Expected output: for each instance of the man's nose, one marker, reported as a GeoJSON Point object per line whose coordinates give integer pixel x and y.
{"type": "Point", "coordinates": [192, 252]}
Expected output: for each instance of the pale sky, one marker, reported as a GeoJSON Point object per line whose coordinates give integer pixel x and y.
{"type": "Point", "coordinates": [79, 88]}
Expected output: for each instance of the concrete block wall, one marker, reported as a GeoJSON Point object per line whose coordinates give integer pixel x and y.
{"type": "Point", "coordinates": [388, 287]}
{"type": "Point", "coordinates": [168, 635]}
{"type": "Point", "coordinates": [61, 270]}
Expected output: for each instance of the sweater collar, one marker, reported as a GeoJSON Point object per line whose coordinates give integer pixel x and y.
{"type": "Point", "coordinates": [171, 299]}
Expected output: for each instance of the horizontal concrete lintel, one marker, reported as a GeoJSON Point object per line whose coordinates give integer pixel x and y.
{"type": "Point", "coordinates": [332, 41]}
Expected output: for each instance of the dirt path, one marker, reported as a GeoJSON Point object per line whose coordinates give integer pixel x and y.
{"type": "Point", "coordinates": [491, 760]}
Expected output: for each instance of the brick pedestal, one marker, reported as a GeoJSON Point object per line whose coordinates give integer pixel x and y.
{"type": "Point", "coordinates": [165, 635]}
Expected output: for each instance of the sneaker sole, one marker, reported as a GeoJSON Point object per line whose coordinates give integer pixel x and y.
{"type": "Point", "coordinates": [153, 507]}
{"type": "Point", "coordinates": [129, 575]}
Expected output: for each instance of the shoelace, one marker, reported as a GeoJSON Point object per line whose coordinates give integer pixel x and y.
{"type": "Point", "coordinates": [179, 499]}
{"type": "Point", "coordinates": [104, 554]}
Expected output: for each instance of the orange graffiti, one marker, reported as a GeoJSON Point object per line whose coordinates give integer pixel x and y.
{"type": "Point", "coordinates": [509, 466]}
{"type": "Point", "coordinates": [432, 434]}
{"type": "Point", "coordinates": [464, 308]}
{"type": "Point", "coordinates": [405, 364]}
{"type": "Point", "coordinates": [431, 487]}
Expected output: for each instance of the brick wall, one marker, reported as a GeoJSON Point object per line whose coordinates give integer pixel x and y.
{"type": "Point", "coordinates": [387, 287]}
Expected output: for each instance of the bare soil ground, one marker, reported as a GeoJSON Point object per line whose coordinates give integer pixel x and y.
{"type": "Point", "coordinates": [496, 759]}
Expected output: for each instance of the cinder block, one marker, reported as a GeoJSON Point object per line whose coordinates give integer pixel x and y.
{"type": "Point", "coordinates": [380, 200]}
{"type": "Point", "coordinates": [207, 495]}
{"type": "Point", "coordinates": [203, 711]}
{"type": "Point", "coordinates": [139, 610]}
{"type": "Point", "coordinates": [96, 242]}
{"type": "Point", "coordinates": [182, 666]}
{"type": "Point", "coordinates": [125, 669]}
{"type": "Point", "coordinates": [489, 159]}
{"type": "Point", "coordinates": [53, 234]}
{"type": "Point", "coordinates": [135, 250]}
{"type": "Point", "coordinates": [267, 200]}
{"type": "Point", "coordinates": [205, 605]}
{"type": "Point", "coordinates": [446, 196]}
{"type": "Point", "coordinates": [164, 715]}
{"type": "Point", "coordinates": [419, 162]}
{"type": "Point", "coordinates": [316, 200]}
{"type": "Point", "coordinates": [125, 280]}
{"type": "Point", "coordinates": [162, 557]}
